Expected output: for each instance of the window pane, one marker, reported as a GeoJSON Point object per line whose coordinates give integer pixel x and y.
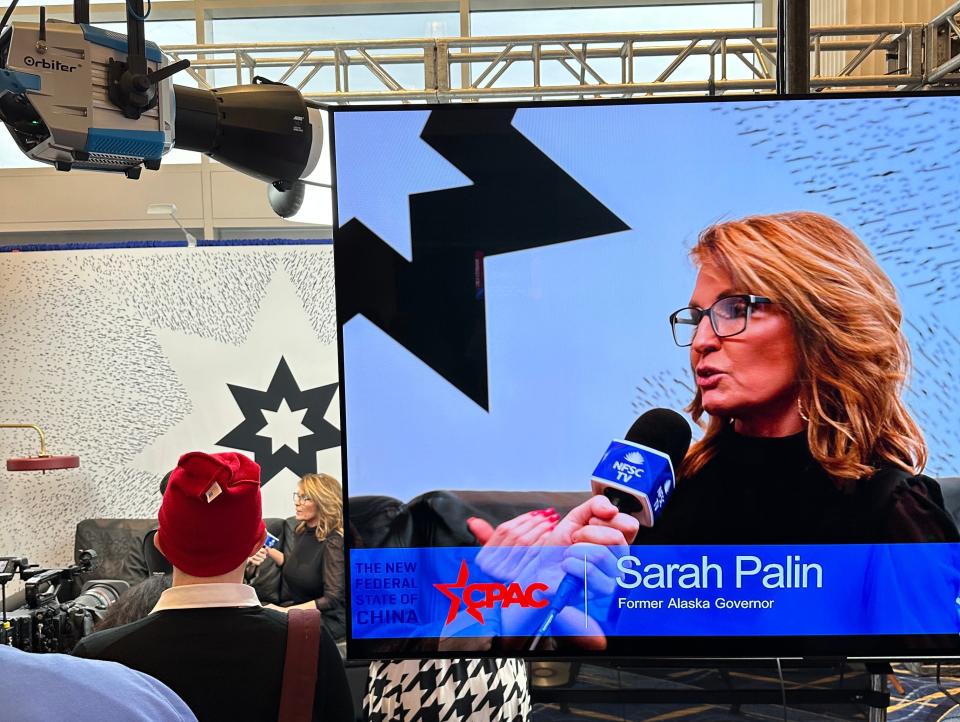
{"type": "Point", "coordinates": [338, 27]}
{"type": "Point", "coordinates": [342, 27]}
{"type": "Point", "coordinates": [609, 20]}
{"type": "Point", "coordinates": [161, 32]}
{"type": "Point", "coordinates": [10, 155]}
{"type": "Point", "coordinates": [613, 20]}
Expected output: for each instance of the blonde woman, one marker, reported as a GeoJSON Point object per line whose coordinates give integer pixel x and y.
{"type": "Point", "coordinates": [799, 361]}
{"type": "Point", "coordinates": [310, 554]}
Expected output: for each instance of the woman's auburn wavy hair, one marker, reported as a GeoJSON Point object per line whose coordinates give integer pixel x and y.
{"type": "Point", "coordinates": [853, 356]}
{"type": "Point", "coordinates": [327, 494]}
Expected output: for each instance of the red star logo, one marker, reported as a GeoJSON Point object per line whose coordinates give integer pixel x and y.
{"type": "Point", "coordinates": [455, 599]}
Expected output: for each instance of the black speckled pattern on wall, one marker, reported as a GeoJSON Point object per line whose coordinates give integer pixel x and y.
{"type": "Point", "coordinates": [80, 356]}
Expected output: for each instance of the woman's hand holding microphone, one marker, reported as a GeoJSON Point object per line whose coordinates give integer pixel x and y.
{"type": "Point", "coordinates": [267, 550]}
{"type": "Point", "coordinates": [542, 546]}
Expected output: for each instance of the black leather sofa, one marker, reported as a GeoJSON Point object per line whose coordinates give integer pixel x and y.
{"type": "Point", "coordinates": [437, 518]}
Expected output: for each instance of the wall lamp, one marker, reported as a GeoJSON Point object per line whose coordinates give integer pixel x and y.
{"type": "Point", "coordinates": [170, 209]}
{"type": "Point", "coordinates": [42, 461]}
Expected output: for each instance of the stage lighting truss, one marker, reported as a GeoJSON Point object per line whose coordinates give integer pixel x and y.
{"type": "Point", "coordinates": [878, 57]}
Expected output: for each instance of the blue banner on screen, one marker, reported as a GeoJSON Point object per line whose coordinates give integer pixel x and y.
{"type": "Point", "coordinates": [659, 591]}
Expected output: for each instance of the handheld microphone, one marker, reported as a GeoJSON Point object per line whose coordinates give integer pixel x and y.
{"type": "Point", "coordinates": [637, 474]}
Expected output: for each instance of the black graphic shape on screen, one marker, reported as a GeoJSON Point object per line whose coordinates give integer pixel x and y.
{"type": "Point", "coordinates": [434, 305]}
{"type": "Point", "coordinates": [283, 386]}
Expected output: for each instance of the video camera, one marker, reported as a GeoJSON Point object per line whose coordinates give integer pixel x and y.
{"type": "Point", "coordinates": [47, 622]}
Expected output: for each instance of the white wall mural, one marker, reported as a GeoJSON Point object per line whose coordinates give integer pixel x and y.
{"type": "Point", "coordinates": [130, 357]}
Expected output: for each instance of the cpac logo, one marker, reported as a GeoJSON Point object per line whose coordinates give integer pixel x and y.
{"type": "Point", "coordinates": [627, 471]}
{"type": "Point", "coordinates": [484, 595]}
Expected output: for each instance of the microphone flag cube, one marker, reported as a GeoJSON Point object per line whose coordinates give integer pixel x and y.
{"type": "Point", "coordinates": [643, 473]}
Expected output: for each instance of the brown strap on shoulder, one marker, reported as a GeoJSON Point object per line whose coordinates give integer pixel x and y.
{"type": "Point", "coordinates": [300, 665]}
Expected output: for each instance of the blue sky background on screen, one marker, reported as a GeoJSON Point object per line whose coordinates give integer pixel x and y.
{"type": "Point", "coordinates": [578, 339]}
{"type": "Point", "coordinates": [414, 167]}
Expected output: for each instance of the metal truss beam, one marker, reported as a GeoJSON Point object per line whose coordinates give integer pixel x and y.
{"type": "Point", "coordinates": [942, 45]}
{"type": "Point", "coordinates": [738, 61]}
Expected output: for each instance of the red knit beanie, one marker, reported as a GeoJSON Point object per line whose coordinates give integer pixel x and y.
{"type": "Point", "coordinates": [210, 519]}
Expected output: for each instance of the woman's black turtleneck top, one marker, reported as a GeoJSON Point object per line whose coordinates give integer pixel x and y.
{"type": "Point", "coordinates": [772, 491]}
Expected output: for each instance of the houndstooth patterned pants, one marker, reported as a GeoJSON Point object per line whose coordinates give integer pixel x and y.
{"type": "Point", "coordinates": [448, 690]}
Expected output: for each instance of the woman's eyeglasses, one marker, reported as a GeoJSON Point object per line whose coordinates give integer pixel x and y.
{"type": "Point", "coordinates": [300, 498]}
{"type": "Point", "coordinates": [728, 317]}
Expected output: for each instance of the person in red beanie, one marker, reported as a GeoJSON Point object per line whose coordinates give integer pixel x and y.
{"type": "Point", "coordinates": [208, 638]}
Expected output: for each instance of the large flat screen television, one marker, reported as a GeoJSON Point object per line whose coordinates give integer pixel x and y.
{"type": "Point", "coordinates": [517, 285]}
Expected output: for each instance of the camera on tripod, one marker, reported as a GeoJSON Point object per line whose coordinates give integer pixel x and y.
{"type": "Point", "coordinates": [48, 622]}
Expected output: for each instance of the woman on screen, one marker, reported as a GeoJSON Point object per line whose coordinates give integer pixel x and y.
{"type": "Point", "coordinates": [799, 361]}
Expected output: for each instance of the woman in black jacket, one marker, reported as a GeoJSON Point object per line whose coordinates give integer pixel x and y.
{"type": "Point", "coordinates": [310, 553]}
